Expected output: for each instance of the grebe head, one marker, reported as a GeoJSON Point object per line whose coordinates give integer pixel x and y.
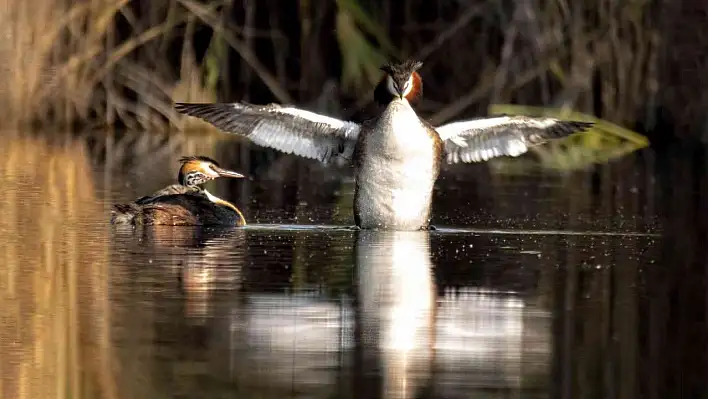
{"type": "Point", "coordinates": [198, 170]}
{"type": "Point", "coordinates": [400, 80]}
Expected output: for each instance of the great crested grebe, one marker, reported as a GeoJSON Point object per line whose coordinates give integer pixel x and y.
{"type": "Point", "coordinates": [396, 154]}
{"type": "Point", "coordinates": [185, 203]}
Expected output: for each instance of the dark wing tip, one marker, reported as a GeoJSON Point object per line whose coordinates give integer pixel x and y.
{"type": "Point", "coordinates": [223, 116]}
{"type": "Point", "coordinates": [559, 130]}
{"type": "Point", "coordinates": [570, 127]}
{"type": "Point", "coordinates": [182, 107]}
{"type": "Point", "coordinates": [196, 109]}
{"type": "Point", "coordinates": [579, 126]}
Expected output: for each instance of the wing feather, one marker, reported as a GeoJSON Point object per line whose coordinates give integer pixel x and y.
{"type": "Point", "coordinates": [174, 189]}
{"type": "Point", "coordinates": [287, 129]}
{"type": "Point", "coordinates": [479, 140]}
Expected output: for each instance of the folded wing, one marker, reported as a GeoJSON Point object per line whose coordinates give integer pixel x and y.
{"type": "Point", "coordinates": [479, 140]}
{"type": "Point", "coordinates": [287, 129]}
{"type": "Point", "coordinates": [174, 189]}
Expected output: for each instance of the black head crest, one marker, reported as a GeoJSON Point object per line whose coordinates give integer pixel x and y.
{"type": "Point", "coordinates": [406, 68]}
{"type": "Point", "coordinates": [401, 79]}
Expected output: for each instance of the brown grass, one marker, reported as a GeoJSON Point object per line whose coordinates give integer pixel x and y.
{"type": "Point", "coordinates": [64, 62]}
{"type": "Point", "coordinates": [54, 329]}
{"type": "Point", "coordinates": [61, 64]}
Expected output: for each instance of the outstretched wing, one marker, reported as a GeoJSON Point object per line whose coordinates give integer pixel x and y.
{"type": "Point", "coordinates": [287, 129]}
{"type": "Point", "coordinates": [479, 140]}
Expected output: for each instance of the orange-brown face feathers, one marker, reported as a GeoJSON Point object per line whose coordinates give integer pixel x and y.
{"type": "Point", "coordinates": [416, 90]}
{"type": "Point", "coordinates": [400, 80]}
{"type": "Point", "coordinates": [198, 170]}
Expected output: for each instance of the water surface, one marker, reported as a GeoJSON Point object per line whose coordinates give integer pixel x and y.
{"type": "Point", "coordinates": [583, 284]}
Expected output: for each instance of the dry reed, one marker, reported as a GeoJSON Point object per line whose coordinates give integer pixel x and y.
{"type": "Point", "coordinates": [66, 63]}
{"type": "Point", "coordinates": [63, 63]}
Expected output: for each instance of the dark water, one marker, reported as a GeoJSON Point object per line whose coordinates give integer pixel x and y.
{"type": "Point", "coordinates": [537, 284]}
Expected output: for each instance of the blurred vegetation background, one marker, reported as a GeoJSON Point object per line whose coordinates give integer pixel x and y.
{"type": "Point", "coordinates": [120, 63]}
{"type": "Point", "coordinates": [114, 68]}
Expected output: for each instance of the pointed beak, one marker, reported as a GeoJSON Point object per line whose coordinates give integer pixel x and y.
{"type": "Point", "coordinates": [399, 91]}
{"type": "Point", "coordinates": [227, 173]}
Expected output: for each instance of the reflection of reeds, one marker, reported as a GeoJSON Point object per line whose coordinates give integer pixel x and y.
{"type": "Point", "coordinates": [54, 340]}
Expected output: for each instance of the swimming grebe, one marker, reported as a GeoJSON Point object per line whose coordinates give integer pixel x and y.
{"type": "Point", "coordinates": [185, 203]}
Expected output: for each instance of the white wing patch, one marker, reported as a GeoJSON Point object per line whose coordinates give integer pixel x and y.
{"type": "Point", "coordinates": [287, 129]}
{"type": "Point", "coordinates": [482, 139]}
{"type": "Point", "coordinates": [454, 129]}
{"type": "Point", "coordinates": [351, 129]}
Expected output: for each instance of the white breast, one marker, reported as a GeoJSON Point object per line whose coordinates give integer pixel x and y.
{"type": "Point", "coordinates": [397, 171]}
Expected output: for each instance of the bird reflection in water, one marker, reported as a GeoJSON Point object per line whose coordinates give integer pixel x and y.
{"type": "Point", "coordinates": [201, 259]}
{"type": "Point", "coordinates": [395, 314]}
{"type": "Point", "coordinates": [399, 337]}
{"type": "Point", "coordinates": [212, 261]}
